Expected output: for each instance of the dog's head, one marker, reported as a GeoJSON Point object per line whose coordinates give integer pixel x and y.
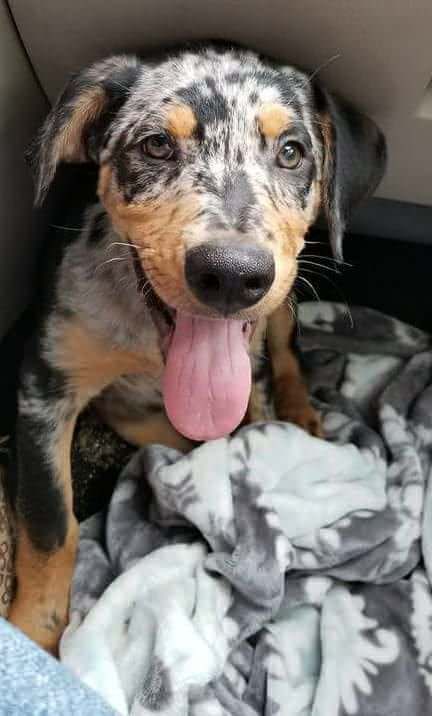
{"type": "Point", "coordinates": [213, 165]}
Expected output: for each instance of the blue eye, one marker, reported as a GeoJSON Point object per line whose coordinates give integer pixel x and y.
{"type": "Point", "coordinates": [290, 155]}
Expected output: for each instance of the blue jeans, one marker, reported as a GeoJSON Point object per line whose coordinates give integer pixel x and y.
{"type": "Point", "coordinates": [32, 683]}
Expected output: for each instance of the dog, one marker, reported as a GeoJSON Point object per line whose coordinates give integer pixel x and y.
{"type": "Point", "coordinates": [213, 162]}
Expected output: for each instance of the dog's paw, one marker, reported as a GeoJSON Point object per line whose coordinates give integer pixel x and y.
{"type": "Point", "coordinates": [45, 633]}
{"type": "Point", "coordinates": [305, 416]}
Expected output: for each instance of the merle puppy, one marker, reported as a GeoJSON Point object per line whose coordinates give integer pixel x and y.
{"type": "Point", "coordinates": [213, 164]}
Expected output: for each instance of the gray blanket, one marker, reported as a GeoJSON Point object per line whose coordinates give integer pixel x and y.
{"type": "Point", "coordinates": [275, 573]}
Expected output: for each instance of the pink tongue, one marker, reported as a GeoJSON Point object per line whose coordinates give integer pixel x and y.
{"type": "Point", "coordinates": [207, 379]}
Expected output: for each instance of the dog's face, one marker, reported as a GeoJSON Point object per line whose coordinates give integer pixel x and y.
{"type": "Point", "coordinates": [213, 165]}
{"type": "Point", "coordinates": [213, 171]}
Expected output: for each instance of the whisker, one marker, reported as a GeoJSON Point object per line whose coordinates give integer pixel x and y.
{"type": "Point", "coordinates": [295, 318]}
{"type": "Point", "coordinates": [145, 285]}
{"type": "Point", "coordinates": [65, 228]}
{"type": "Point", "coordinates": [121, 243]}
{"type": "Point", "coordinates": [338, 290]}
{"type": "Point", "coordinates": [299, 292]}
{"type": "Point", "coordinates": [290, 305]}
{"type": "Point", "coordinates": [108, 261]}
{"type": "Point", "coordinates": [120, 85]}
{"type": "Point", "coordinates": [302, 262]}
{"type": "Point", "coordinates": [125, 282]}
{"type": "Point", "coordinates": [326, 258]}
{"type": "Point", "coordinates": [312, 288]}
{"type": "Point", "coordinates": [319, 256]}
{"type": "Point", "coordinates": [324, 65]}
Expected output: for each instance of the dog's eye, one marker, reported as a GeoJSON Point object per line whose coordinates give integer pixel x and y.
{"type": "Point", "coordinates": [290, 155]}
{"type": "Point", "coordinates": [158, 146]}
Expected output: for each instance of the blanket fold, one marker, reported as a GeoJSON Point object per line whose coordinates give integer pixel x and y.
{"type": "Point", "coordinates": [273, 572]}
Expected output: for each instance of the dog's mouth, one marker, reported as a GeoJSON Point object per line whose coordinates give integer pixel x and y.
{"type": "Point", "coordinates": [207, 377]}
{"type": "Point", "coordinates": [165, 319]}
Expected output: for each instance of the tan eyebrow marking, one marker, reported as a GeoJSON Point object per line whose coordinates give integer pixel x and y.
{"type": "Point", "coordinates": [273, 119]}
{"type": "Point", "coordinates": [181, 121]}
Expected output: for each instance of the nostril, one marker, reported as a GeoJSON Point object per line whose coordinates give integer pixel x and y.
{"type": "Point", "coordinates": [209, 282]}
{"type": "Point", "coordinates": [254, 283]}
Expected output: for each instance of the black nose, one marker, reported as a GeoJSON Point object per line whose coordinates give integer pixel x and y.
{"type": "Point", "coordinates": [229, 277]}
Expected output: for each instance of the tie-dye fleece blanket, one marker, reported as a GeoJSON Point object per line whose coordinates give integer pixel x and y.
{"type": "Point", "coordinates": [273, 572]}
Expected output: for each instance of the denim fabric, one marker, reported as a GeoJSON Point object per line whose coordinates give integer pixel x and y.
{"type": "Point", "coordinates": [32, 683]}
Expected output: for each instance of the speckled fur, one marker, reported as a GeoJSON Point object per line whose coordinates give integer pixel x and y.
{"type": "Point", "coordinates": [226, 110]}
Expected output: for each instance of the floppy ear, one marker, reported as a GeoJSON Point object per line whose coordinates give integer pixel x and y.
{"type": "Point", "coordinates": [354, 161]}
{"type": "Point", "coordinates": [77, 125]}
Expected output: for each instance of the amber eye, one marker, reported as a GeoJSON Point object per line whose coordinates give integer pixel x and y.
{"type": "Point", "coordinates": [158, 146]}
{"type": "Point", "coordinates": [290, 155]}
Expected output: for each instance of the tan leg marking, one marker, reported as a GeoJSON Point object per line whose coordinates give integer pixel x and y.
{"type": "Point", "coordinates": [40, 607]}
{"type": "Point", "coordinates": [154, 429]}
{"type": "Point", "coordinates": [290, 393]}
{"type": "Point", "coordinates": [257, 408]}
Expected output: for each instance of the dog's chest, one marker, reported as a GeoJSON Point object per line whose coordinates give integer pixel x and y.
{"type": "Point", "coordinates": [132, 397]}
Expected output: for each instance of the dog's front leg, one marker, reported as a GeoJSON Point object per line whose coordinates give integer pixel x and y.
{"type": "Point", "coordinates": [291, 396]}
{"type": "Point", "coordinates": [46, 527]}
